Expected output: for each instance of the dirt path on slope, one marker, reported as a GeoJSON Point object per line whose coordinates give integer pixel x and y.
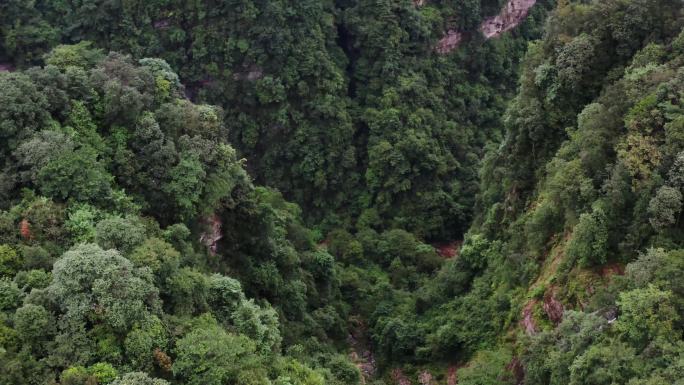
{"type": "Point", "coordinates": [513, 13]}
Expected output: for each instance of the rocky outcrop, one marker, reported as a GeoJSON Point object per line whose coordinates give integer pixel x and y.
{"type": "Point", "coordinates": [553, 308]}
{"type": "Point", "coordinates": [449, 42]}
{"type": "Point", "coordinates": [516, 368]}
{"type": "Point", "coordinates": [510, 17]}
{"type": "Point", "coordinates": [212, 234]}
{"type": "Point", "coordinates": [361, 355]}
{"type": "Point", "coordinates": [513, 13]}
{"type": "Point", "coordinates": [425, 378]}
{"type": "Point", "coordinates": [527, 321]}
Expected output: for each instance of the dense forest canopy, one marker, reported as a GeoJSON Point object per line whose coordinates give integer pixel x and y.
{"type": "Point", "coordinates": [341, 192]}
{"type": "Point", "coordinates": [344, 107]}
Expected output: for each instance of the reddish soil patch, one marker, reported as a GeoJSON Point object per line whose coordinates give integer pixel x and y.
{"type": "Point", "coordinates": [448, 250]}
{"type": "Point", "coordinates": [25, 229]}
{"type": "Point", "coordinates": [452, 374]}
{"type": "Point", "coordinates": [527, 321]}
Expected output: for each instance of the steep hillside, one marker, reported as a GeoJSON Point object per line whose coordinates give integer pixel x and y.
{"type": "Point", "coordinates": [570, 273]}
{"type": "Point", "coordinates": [280, 192]}
{"type": "Point", "coordinates": [344, 106]}
{"type": "Point", "coordinates": [583, 202]}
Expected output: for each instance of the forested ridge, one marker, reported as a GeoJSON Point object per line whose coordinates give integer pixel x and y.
{"type": "Point", "coordinates": [341, 192]}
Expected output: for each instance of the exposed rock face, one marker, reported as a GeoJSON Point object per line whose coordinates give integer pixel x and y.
{"type": "Point", "coordinates": [527, 320]}
{"type": "Point", "coordinates": [212, 234]}
{"type": "Point", "coordinates": [510, 17]}
{"type": "Point", "coordinates": [425, 378]}
{"type": "Point", "coordinates": [517, 370]}
{"type": "Point", "coordinates": [553, 308]}
{"type": "Point", "coordinates": [361, 354]}
{"type": "Point", "coordinates": [449, 42]}
{"type": "Point", "coordinates": [419, 3]}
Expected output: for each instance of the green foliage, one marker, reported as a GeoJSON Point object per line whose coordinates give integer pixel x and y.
{"type": "Point", "coordinates": [188, 292]}
{"type": "Point", "coordinates": [605, 364]}
{"type": "Point", "coordinates": [487, 368]}
{"type": "Point", "coordinates": [184, 187]}
{"type": "Point", "coordinates": [292, 372]}
{"type": "Point", "coordinates": [178, 265]}
{"type": "Point", "coordinates": [75, 55]}
{"type": "Point", "coordinates": [122, 234]}
{"type": "Point", "coordinates": [159, 256]}
{"type": "Point", "coordinates": [33, 279]}
{"type": "Point", "coordinates": [99, 373]}
{"type": "Point", "coordinates": [33, 323]}
{"type": "Point", "coordinates": [258, 323]}
{"type": "Point", "coordinates": [10, 295]}
{"type": "Point", "coordinates": [210, 355]}
{"type": "Point", "coordinates": [23, 110]}
{"type": "Point", "coordinates": [90, 283]}
{"type": "Point", "coordinates": [141, 342]}
{"type": "Point", "coordinates": [103, 156]}
{"type": "Point", "coordinates": [646, 314]}
{"type": "Point", "coordinates": [664, 208]}
{"type": "Point", "coordinates": [9, 261]}
{"type": "Point", "coordinates": [138, 378]}
{"type": "Point", "coordinates": [81, 222]}
{"type": "Point", "coordinates": [589, 242]}
{"type": "Point", "coordinates": [77, 175]}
